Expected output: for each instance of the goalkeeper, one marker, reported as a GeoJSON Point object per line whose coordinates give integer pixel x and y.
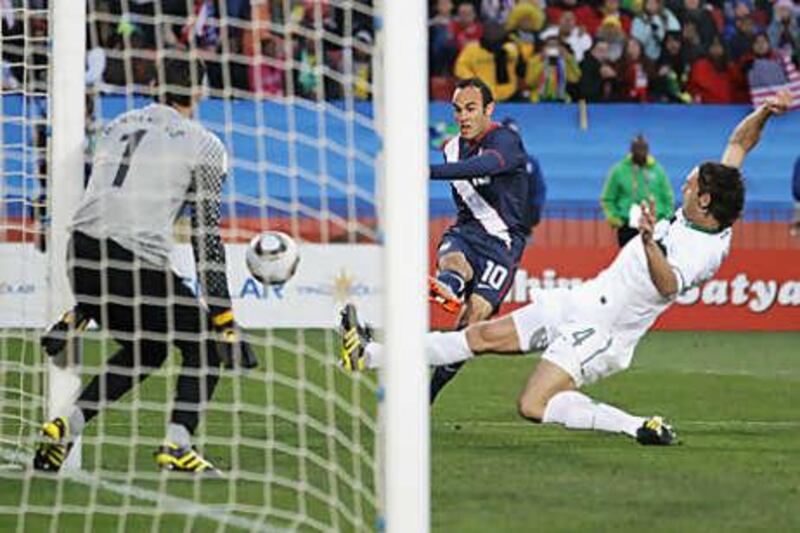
{"type": "Point", "coordinates": [150, 163]}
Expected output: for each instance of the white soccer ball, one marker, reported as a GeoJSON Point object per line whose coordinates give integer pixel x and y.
{"type": "Point", "coordinates": [272, 257]}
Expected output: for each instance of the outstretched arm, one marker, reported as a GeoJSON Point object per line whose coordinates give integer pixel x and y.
{"type": "Point", "coordinates": [661, 273]}
{"type": "Point", "coordinates": [747, 133]}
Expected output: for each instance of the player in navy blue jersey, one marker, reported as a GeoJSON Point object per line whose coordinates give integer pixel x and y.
{"type": "Point", "coordinates": [492, 187]}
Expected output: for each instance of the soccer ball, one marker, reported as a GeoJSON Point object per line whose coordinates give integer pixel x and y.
{"type": "Point", "coordinates": [272, 257]}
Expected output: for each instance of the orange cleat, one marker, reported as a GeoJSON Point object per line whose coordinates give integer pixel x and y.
{"type": "Point", "coordinates": [441, 294]}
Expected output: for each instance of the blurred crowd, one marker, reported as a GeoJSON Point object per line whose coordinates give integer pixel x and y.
{"type": "Point", "coordinates": [703, 51]}
{"type": "Point", "coordinates": [316, 49]}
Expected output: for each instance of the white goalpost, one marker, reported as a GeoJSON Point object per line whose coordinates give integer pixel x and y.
{"type": "Point", "coordinates": [322, 107]}
{"type": "Point", "coordinates": [406, 218]}
{"type": "Point", "coordinates": [66, 185]}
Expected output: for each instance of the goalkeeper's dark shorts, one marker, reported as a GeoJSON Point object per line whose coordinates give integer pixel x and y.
{"type": "Point", "coordinates": [145, 308]}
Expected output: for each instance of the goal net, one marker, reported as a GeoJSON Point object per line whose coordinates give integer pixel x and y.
{"type": "Point", "coordinates": [291, 91]}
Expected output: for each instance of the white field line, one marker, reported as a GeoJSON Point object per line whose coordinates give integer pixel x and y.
{"type": "Point", "coordinates": [765, 424]}
{"type": "Point", "coordinates": [167, 503]}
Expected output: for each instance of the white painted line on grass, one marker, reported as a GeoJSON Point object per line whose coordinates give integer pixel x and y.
{"type": "Point", "coordinates": [170, 504]}
{"type": "Point", "coordinates": [766, 424]}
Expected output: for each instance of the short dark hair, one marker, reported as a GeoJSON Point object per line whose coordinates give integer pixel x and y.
{"type": "Point", "coordinates": [486, 92]}
{"type": "Point", "coordinates": [177, 79]}
{"type": "Point", "coordinates": [725, 185]}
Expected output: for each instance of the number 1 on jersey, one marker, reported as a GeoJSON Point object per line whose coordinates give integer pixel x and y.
{"type": "Point", "coordinates": [132, 141]}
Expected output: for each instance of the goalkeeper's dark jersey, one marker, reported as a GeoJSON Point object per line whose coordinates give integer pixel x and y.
{"type": "Point", "coordinates": [148, 164]}
{"type": "Point", "coordinates": [490, 182]}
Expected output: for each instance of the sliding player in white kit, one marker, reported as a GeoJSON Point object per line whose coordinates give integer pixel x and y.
{"type": "Point", "coordinates": [591, 332]}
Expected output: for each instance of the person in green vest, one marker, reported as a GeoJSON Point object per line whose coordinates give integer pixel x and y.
{"type": "Point", "coordinates": [636, 178]}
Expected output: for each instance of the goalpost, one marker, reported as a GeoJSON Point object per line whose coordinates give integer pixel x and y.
{"type": "Point", "coordinates": [320, 146]}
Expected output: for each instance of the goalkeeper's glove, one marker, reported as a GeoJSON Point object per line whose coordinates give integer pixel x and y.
{"type": "Point", "coordinates": [232, 350]}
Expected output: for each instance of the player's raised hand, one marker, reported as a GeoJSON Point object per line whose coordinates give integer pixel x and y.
{"type": "Point", "coordinates": [647, 222]}
{"type": "Point", "coordinates": [780, 103]}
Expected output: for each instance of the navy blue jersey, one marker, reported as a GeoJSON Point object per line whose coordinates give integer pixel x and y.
{"type": "Point", "coordinates": [796, 181]}
{"type": "Point", "coordinates": [490, 182]}
{"type": "Point", "coordinates": [538, 191]}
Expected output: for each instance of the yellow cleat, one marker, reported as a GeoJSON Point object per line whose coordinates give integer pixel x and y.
{"type": "Point", "coordinates": [183, 459]}
{"type": "Point", "coordinates": [53, 449]}
{"type": "Point", "coordinates": [355, 338]}
{"type": "Point", "coordinates": [55, 338]}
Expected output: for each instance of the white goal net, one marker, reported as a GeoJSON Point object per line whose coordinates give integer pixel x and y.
{"type": "Point", "coordinates": [290, 90]}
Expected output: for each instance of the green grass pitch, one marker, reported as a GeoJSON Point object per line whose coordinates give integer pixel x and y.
{"type": "Point", "coordinates": [733, 398]}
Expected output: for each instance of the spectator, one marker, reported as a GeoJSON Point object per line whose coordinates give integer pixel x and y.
{"type": "Point", "coordinates": [599, 82]}
{"type": "Point", "coordinates": [555, 8]}
{"type": "Point", "coordinates": [637, 178]}
{"type": "Point", "coordinates": [696, 12]}
{"type": "Point", "coordinates": [611, 32]}
{"type": "Point", "coordinates": [552, 71]}
{"type": "Point", "coordinates": [307, 75]}
{"type": "Point", "coordinates": [741, 41]}
{"type": "Point", "coordinates": [635, 72]}
{"type": "Point", "coordinates": [765, 66]}
{"type": "Point", "coordinates": [652, 25]}
{"type": "Point", "coordinates": [672, 72]}
{"type": "Point", "coordinates": [524, 21]}
{"type": "Point", "coordinates": [496, 11]}
{"type": "Point", "coordinates": [713, 80]}
{"type": "Point", "coordinates": [267, 70]}
{"type": "Point", "coordinates": [493, 60]}
{"type": "Point", "coordinates": [574, 36]}
{"type": "Point", "coordinates": [362, 65]}
{"type": "Point", "coordinates": [591, 16]}
{"type": "Point", "coordinates": [692, 48]}
{"type": "Point", "coordinates": [465, 27]}
{"type": "Point", "coordinates": [442, 48]}
{"type": "Point", "coordinates": [733, 9]}
{"type": "Point", "coordinates": [784, 33]}
{"type": "Point", "coordinates": [95, 58]}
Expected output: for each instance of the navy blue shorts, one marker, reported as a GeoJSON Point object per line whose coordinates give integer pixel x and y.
{"type": "Point", "coordinates": [493, 263]}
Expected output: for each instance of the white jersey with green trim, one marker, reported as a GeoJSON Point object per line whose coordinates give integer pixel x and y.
{"type": "Point", "coordinates": [145, 168]}
{"type": "Point", "coordinates": [623, 297]}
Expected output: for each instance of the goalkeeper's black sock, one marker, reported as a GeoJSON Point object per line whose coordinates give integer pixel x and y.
{"type": "Point", "coordinates": [442, 376]}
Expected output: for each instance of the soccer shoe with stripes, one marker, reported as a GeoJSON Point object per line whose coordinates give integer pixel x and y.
{"type": "Point", "coordinates": [53, 449]}
{"type": "Point", "coordinates": [183, 459]}
{"type": "Point", "coordinates": [55, 338]}
{"type": "Point", "coordinates": [656, 432]}
{"type": "Point", "coordinates": [355, 338]}
{"type": "Point", "coordinates": [439, 293]}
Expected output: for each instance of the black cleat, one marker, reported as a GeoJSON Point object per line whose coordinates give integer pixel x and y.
{"type": "Point", "coordinates": [55, 338]}
{"type": "Point", "coordinates": [355, 338]}
{"type": "Point", "coordinates": [53, 449]}
{"type": "Point", "coordinates": [655, 432]}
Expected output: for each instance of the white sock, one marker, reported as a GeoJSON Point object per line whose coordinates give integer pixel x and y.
{"type": "Point", "coordinates": [440, 349]}
{"type": "Point", "coordinates": [447, 348]}
{"type": "Point", "coordinates": [575, 410]}
{"type": "Point", "coordinates": [76, 422]}
{"type": "Point", "coordinates": [178, 434]}
{"type": "Point", "coordinates": [374, 355]}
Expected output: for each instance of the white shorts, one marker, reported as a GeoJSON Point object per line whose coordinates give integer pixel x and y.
{"type": "Point", "coordinates": [577, 345]}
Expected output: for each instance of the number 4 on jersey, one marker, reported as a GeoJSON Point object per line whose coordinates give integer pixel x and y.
{"type": "Point", "coordinates": [578, 337]}
{"type": "Point", "coordinates": [132, 141]}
